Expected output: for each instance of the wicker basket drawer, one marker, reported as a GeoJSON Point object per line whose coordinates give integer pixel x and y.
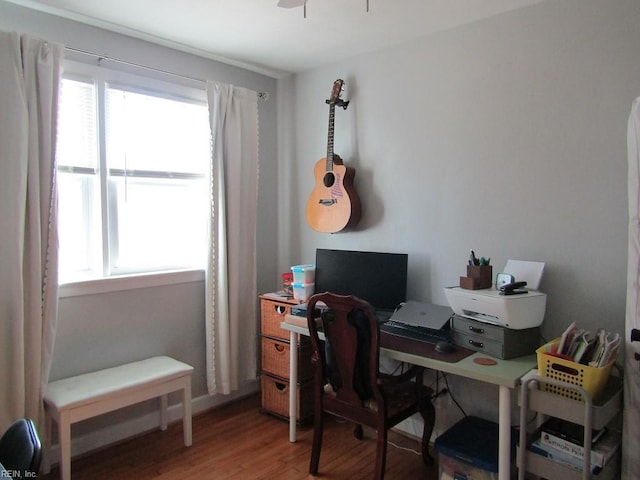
{"type": "Point", "coordinates": [275, 359]}
{"type": "Point", "coordinates": [272, 313]}
{"type": "Point", "coordinates": [275, 397]}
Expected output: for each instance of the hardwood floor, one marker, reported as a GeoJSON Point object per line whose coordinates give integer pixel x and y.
{"type": "Point", "coordinates": [238, 442]}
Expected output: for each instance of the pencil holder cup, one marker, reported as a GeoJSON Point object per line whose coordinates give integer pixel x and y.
{"type": "Point", "coordinates": [478, 277]}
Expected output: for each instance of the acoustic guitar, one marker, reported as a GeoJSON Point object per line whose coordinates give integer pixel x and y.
{"type": "Point", "coordinates": [333, 204]}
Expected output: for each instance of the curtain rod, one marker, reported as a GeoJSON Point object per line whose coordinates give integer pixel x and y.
{"type": "Point", "coordinates": [261, 95]}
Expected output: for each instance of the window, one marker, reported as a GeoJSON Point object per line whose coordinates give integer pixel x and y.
{"type": "Point", "coordinates": [133, 162]}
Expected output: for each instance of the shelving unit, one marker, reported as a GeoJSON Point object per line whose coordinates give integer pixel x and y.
{"type": "Point", "coordinates": [275, 345]}
{"type": "Point", "coordinates": [587, 413]}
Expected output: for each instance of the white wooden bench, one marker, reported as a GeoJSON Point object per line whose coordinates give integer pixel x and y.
{"type": "Point", "coordinates": [77, 398]}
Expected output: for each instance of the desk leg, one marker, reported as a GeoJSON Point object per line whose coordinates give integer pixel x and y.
{"type": "Point", "coordinates": [293, 385]}
{"type": "Point", "coordinates": [504, 446]}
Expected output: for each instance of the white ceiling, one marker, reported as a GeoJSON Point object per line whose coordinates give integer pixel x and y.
{"type": "Point", "coordinates": [259, 35]}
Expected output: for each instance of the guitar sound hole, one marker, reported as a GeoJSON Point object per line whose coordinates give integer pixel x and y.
{"type": "Point", "coordinates": [329, 179]}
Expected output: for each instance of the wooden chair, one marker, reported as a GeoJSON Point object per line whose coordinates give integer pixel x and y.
{"type": "Point", "coordinates": [348, 383]}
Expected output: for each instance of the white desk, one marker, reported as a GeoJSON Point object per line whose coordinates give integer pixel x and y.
{"type": "Point", "coordinates": [506, 374]}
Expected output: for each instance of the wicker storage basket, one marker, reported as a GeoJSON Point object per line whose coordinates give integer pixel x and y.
{"type": "Point", "coordinates": [271, 315]}
{"type": "Point", "coordinates": [275, 358]}
{"type": "Point", "coordinates": [275, 397]}
{"type": "Point", "coordinates": [591, 379]}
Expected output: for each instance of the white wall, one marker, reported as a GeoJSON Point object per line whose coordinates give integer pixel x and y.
{"type": "Point", "coordinates": [507, 136]}
{"type": "Point", "coordinates": [105, 329]}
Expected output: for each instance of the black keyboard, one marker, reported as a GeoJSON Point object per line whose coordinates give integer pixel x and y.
{"type": "Point", "coordinates": [413, 331]}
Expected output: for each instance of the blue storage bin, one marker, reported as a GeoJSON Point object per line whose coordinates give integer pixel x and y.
{"type": "Point", "coordinates": [469, 450]}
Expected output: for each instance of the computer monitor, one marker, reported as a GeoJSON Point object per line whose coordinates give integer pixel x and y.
{"type": "Point", "coordinates": [377, 277]}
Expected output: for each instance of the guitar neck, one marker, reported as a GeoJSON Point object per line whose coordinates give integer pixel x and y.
{"type": "Point", "coordinates": [332, 114]}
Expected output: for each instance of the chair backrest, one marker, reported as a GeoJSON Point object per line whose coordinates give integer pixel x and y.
{"type": "Point", "coordinates": [349, 359]}
{"type": "Point", "coordinates": [20, 448]}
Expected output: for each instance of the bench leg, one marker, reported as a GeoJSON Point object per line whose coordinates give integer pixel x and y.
{"type": "Point", "coordinates": [186, 412]}
{"type": "Point", "coordinates": [46, 460]}
{"type": "Point", "coordinates": [64, 427]}
{"type": "Point", "coordinates": [164, 408]}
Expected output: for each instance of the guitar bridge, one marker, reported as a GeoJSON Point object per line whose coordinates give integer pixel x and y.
{"type": "Point", "coordinates": [327, 202]}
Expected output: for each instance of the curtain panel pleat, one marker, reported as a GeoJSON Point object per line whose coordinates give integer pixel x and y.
{"type": "Point", "coordinates": [231, 286]}
{"type": "Point", "coordinates": [30, 74]}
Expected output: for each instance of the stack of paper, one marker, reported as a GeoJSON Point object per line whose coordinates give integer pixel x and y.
{"type": "Point", "coordinates": [587, 348]}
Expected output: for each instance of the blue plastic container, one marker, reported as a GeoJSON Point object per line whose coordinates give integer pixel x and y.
{"type": "Point", "coordinates": [469, 449]}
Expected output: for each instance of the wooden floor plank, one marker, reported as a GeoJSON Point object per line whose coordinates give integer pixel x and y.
{"type": "Point", "coordinates": [237, 442]}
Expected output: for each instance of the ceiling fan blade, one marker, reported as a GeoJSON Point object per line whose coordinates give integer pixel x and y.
{"type": "Point", "coordinates": [291, 3]}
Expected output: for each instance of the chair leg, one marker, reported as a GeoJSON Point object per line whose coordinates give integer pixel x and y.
{"type": "Point", "coordinates": [318, 426]}
{"type": "Point", "coordinates": [428, 413]}
{"type": "Point", "coordinates": [357, 431]}
{"type": "Point", "coordinates": [381, 453]}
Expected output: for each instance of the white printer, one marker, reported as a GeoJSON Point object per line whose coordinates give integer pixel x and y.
{"type": "Point", "coordinates": [520, 311]}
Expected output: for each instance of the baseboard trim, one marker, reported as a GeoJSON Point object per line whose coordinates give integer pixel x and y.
{"type": "Point", "coordinates": [145, 423]}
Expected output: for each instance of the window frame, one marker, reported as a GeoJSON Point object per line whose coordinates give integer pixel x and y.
{"type": "Point", "coordinates": [139, 80]}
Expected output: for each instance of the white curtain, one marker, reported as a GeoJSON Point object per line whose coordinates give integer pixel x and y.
{"type": "Point", "coordinates": [30, 72]}
{"type": "Point", "coordinates": [631, 426]}
{"type": "Point", "coordinates": [231, 326]}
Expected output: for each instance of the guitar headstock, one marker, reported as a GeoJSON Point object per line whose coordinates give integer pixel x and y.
{"type": "Point", "coordinates": [336, 91]}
